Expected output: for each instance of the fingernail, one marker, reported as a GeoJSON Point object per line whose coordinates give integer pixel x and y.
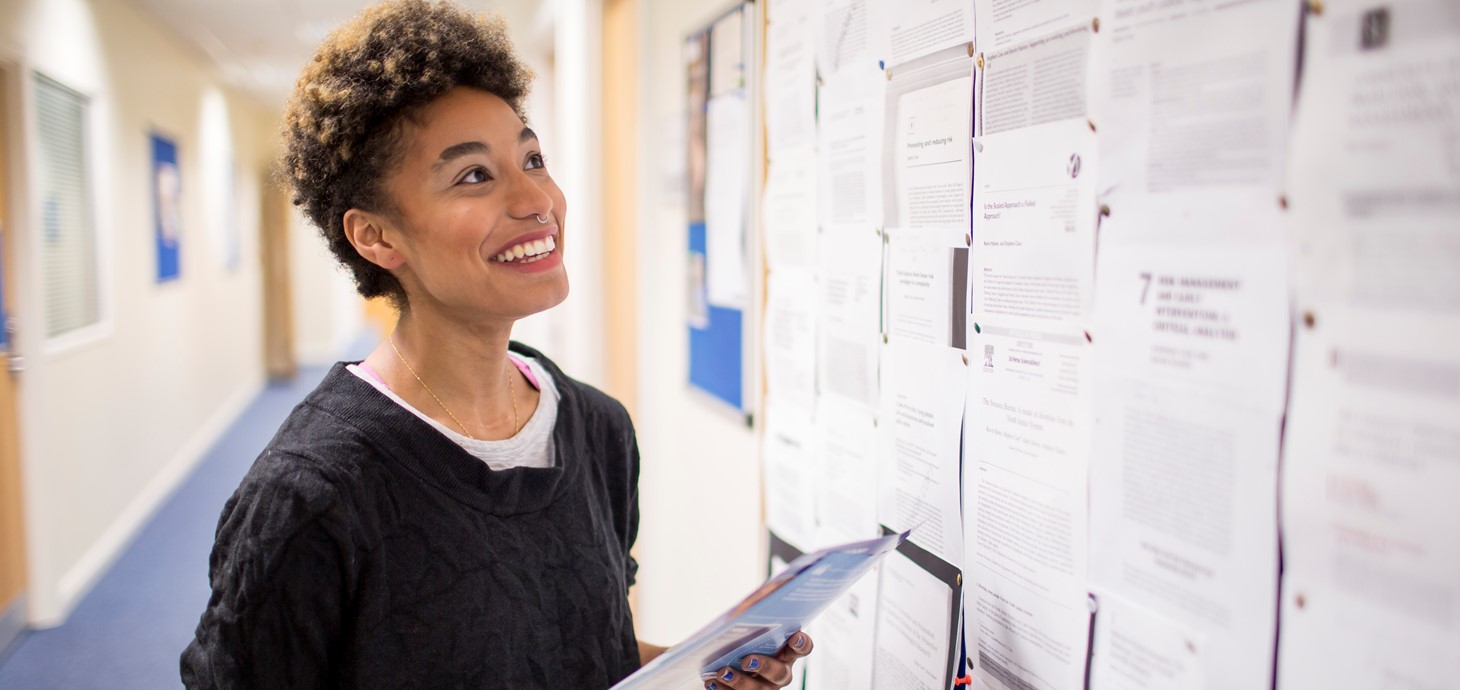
{"type": "Point", "coordinates": [799, 642]}
{"type": "Point", "coordinates": [727, 676]}
{"type": "Point", "coordinates": [711, 686]}
{"type": "Point", "coordinates": [753, 664]}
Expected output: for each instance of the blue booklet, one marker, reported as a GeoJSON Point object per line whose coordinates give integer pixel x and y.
{"type": "Point", "coordinates": [761, 622]}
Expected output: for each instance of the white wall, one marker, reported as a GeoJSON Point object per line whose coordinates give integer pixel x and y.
{"type": "Point", "coordinates": [701, 543]}
{"type": "Point", "coordinates": [328, 312]}
{"type": "Point", "coordinates": [113, 418]}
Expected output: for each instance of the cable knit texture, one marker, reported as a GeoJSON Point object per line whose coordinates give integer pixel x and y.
{"type": "Point", "coordinates": [366, 550]}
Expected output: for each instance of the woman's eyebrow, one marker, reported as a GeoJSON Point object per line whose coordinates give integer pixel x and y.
{"type": "Point", "coordinates": [526, 135]}
{"type": "Point", "coordinates": [456, 151]}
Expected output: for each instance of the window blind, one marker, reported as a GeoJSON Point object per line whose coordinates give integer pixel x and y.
{"type": "Point", "coordinates": [68, 238]}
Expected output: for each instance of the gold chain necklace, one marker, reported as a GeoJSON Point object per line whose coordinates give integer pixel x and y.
{"type": "Point", "coordinates": [511, 391]}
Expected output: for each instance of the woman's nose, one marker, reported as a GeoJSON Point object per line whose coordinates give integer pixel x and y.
{"type": "Point", "coordinates": [529, 198]}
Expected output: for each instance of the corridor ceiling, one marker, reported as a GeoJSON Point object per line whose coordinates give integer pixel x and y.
{"type": "Point", "coordinates": [260, 45]}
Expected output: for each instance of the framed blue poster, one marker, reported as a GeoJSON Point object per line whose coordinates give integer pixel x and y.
{"type": "Point", "coordinates": [167, 206]}
{"type": "Point", "coordinates": [722, 120]}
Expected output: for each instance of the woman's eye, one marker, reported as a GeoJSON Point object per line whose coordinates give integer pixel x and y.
{"type": "Point", "coordinates": [475, 176]}
{"type": "Point", "coordinates": [535, 161]}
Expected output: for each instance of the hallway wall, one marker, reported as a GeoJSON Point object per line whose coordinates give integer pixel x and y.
{"type": "Point", "coordinates": [115, 416]}
{"type": "Point", "coordinates": [328, 312]}
{"type": "Point", "coordinates": [701, 543]}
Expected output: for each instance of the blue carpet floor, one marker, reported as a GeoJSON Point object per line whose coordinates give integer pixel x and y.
{"type": "Point", "coordinates": [129, 630]}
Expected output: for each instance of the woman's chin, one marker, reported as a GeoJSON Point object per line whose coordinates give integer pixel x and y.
{"type": "Point", "coordinates": [543, 300]}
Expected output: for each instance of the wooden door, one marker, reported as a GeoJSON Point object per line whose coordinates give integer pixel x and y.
{"type": "Point", "coordinates": [279, 361]}
{"type": "Point", "coordinates": [12, 532]}
{"type": "Point", "coordinates": [620, 225]}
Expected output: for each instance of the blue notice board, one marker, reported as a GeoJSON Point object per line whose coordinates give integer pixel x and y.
{"type": "Point", "coordinates": [716, 68]}
{"type": "Point", "coordinates": [715, 361]}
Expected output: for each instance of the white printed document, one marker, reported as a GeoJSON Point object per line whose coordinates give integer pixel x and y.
{"type": "Point", "coordinates": [1033, 256]}
{"type": "Point", "coordinates": [930, 113]}
{"type": "Point", "coordinates": [927, 287]}
{"type": "Point", "coordinates": [792, 473]}
{"type": "Point", "coordinates": [849, 308]}
{"type": "Point", "coordinates": [916, 635]}
{"type": "Point", "coordinates": [922, 411]}
{"type": "Point", "coordinates": [1375, 180]}
{"type": "Point", "coordinates": [846, 496]}
{"type": "Point", "coordinates": [1136, 649]}
{"type": "Point", "coordinates": [843, 39]}
{"type": "Point", "coordinates": [1033, 83]}
{"type": "Point", "coordinates": [1006, 23]}
{"type": "Point", "coordinates": [789, 209]}
{"type": "Point", "coordinates": [790, 338]}
{"type": "Point", "coordinates": [1371, 588]}
{"type": "Point", "coordinates": [843, 634]}
{"type": "Point", "coordinates": [911, 29]}
{"type": "Point", "coordinates": [1192, 342]}
{"type": "Point", "coordinates": [1194, 97]}
{"type": "Point", "coordinates": [849, 157]}
{"type": "Point", "coordinates": [790, 78]}
{"type": "Point", "coordinates": [727, 165]}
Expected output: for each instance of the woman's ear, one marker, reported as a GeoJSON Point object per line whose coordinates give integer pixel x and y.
{"type": "Point", "coordinates": [366, 234]}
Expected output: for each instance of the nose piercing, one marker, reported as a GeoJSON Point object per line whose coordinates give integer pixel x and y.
{"type": "Point", "coordinates": [540, 219]}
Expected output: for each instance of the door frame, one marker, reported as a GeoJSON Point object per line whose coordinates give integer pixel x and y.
{"type": "Point", "coordinates": [15, 603]}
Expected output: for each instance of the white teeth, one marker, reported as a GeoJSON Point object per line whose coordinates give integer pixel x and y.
{"type": "Point", "coordinates": [535, 250]}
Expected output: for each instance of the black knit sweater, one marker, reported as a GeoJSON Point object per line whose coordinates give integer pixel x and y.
{"type": "Point", "coordinates": [366, 550]}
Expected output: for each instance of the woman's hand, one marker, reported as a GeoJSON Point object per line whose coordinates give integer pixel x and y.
{"type": "Point", "coordinates": [758, 672]}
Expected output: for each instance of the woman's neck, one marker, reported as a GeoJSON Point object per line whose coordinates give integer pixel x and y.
{"type": "Point", "coordinates": [456, 373]}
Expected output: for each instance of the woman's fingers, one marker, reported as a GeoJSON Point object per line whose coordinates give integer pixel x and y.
{"type": "Point", "coordinates": [757, 671]}
{"type": "Point", "coordinates": [736, 679]}
{"type": "Point", "coordinates": [773, 671]}
{"type": "Point", "coordinates": [796, 646]}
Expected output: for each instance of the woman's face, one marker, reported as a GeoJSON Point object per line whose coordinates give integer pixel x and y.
{"type": "Point", "coordinates": [480, 218]}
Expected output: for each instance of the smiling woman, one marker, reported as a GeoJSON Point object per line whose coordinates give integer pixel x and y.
{"type": "Point", "coordinates": [453, 511]}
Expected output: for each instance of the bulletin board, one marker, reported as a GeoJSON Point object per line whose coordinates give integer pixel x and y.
{"type": "Point", "coordinates": [723, 169]}
{"type": "Point", "coordinates": [1143, 318]}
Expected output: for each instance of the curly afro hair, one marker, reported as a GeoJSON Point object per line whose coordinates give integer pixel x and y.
{"type": "Point", "coordinates": [345, 122]}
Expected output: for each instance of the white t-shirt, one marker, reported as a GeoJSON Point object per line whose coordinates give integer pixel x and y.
{"type": "Point", "coordinates": [531, 447]}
